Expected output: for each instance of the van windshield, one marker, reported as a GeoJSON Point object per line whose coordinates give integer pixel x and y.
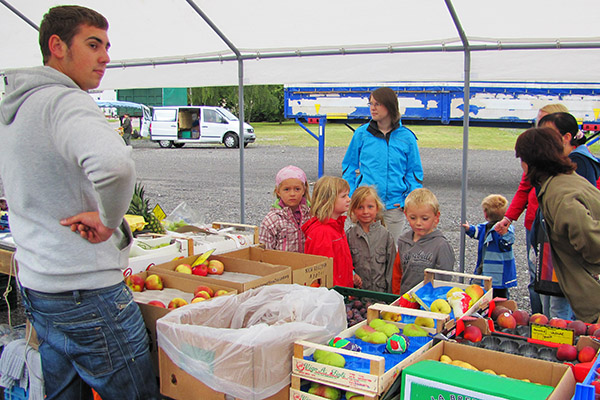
{"type": "Point", "coordinates": [228, 114]}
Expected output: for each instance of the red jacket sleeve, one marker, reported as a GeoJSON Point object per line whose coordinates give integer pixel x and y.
{"type": "Point", "coordinates": [519, 201]}
{"type": "Point", "coordinates": [396, 275]}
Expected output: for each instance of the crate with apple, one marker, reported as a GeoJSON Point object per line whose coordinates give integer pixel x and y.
{"type": "Point", "coordinates": [448, 297]}
{"type": "Point", "coordinates": [236, 273]}
{"type": "Point", "coordinates": [367, 357]}
{"type": "Point", "coordinates": [451, 368]}
{"type": "Point", "coordinates": [157, 293]}
{"type": "Point", "coordinates": [358, 302]}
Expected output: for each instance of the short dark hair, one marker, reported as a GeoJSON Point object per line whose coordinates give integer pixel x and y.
{"type": "Point", "coordinates": [565, 123]}
{"type": "Point", "coordinates": [388, 98]}
{"type": "Point", "coordinates": [65, 21]}
{"type": "Point", "coordinates": [543, 151]}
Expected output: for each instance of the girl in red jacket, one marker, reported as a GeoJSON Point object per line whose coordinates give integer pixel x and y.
{"type": "Point", "coordinates": [324, 232]}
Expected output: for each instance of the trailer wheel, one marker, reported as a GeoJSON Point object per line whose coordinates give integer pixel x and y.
{"type": "Point", "coordinates": [230, 140]}
{"type": "Point", "coordinates": [165, 144]}
{"type": "Point", "coordinates": [178, 145]}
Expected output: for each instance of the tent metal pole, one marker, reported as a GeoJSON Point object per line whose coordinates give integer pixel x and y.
{"type": "Point", "coordinates": [241, 138]}
{"type": "Point", "coordinates": [466, 98]}
{"type": "Point", "coordinates": [20, 15]}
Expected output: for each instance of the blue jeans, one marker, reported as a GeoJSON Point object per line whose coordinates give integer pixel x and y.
{"type": "Point", "coordinates": [534, 297]}
{"type": "Point", "coordinates": [92, 338]}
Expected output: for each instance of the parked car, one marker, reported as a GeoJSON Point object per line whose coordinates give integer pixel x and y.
{"type": "Point", "coordinates": [178, 125]}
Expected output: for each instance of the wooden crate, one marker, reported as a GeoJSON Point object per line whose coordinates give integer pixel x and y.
{"type": "Point", "coordinates": [481, 304]}
{"type": "Point", "coordinates": [371, 384]}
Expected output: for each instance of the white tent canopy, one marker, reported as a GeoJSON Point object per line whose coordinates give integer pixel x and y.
{"type": "Point", "coordinates": [186, 43]}
{"type": "Point", "coordinates": [408, 39]}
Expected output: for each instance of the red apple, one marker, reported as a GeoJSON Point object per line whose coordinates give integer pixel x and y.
{"type": "Point", "coordinates": [472, 333]}
{"type": "Point", "coordinates": [204, 288]}
{"type": "Point", "coordinates": [221, 292]}
{"type": "Point", "coordinates": [201, 270]}
{"type": "Point", "coordinates": [497, 311]}
{"type": "Point", "coordinates": [592, 328]}
{"type": "Point", "coordinates": [153, 282]}
{"type": "Point", "coordinates": [202, 294]}
{"type": "Point", "coordinates": [566, 352]}
{"type": "Point", "coordinates": [157, 303]}
{"type": "Point", "coordinates": [578, 327]}
{"type": "Point", "coordinates": [215, 267]}
{"type": "Point", "coordinates": [586, 354]}
{"type": "Point", "coordinates": [596, 333]}
{"type": "Point", "coordinates": [558, 323]}
{"type": "Point", "coordinates": [135, 282]}
{"type": "Point", "coordinates": [596, 384]}
{"type": "Point", "coordinates": [177, 302]}
{"type": "Point", "coordinates": [506, 320]}
{"type": "Point", "coordinates": [538, 318]}
{"type": "Point", "coordinates": [521, 316]}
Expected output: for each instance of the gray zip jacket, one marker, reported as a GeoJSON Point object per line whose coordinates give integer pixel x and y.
{"type": "Point", "coordinates": [373, 256]}
{"type": "Point", "coordinates": [59, 157]}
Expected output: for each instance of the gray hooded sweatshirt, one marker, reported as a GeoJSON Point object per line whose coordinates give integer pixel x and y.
{"type": "Point", "coordinates": [59, 157]}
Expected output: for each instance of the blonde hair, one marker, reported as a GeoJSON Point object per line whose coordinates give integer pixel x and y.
{"type": "Point", "coordinates": [494, 206]}
{"type": "Point", "coordinates": [360, 195]}
{"type": "Point", "coordinates": [422, 197]}
{"type": "Point", "coordinates": [554, 108]}
{"type": "Point", "coordinates": [325, 194]}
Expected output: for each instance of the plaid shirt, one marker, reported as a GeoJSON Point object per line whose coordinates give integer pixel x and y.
{"type": "Point", "coordinates": [280, 230]}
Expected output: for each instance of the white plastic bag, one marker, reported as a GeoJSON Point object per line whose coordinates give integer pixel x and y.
{"type": "Point", "coordinates": [242, 345]}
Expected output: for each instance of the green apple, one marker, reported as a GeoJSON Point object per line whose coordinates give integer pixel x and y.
{"type": "Point", "coordinates": [440, 306]}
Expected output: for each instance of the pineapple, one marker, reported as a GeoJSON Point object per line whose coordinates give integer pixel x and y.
{"type": "Point", "coordinates": [139, 206]}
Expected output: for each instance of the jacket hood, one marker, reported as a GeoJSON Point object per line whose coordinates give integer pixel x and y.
{"type": "Point", "coordinates": [407, 237]}
{"type": "Point", "coordinates": [337, 224]}
{"type": "Point", "coordinates": [22, 83]}
{"type": "Point", "coordinates": [585, 151]}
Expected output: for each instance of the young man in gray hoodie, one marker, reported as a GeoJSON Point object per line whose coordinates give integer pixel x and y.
{"type": "Point", "coordinates": [69, 179]}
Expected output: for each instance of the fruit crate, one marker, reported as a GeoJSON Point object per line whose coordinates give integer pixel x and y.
{"type": "Point", "coordinates": [371, 384]}
{"type": "Point", "coordinates": [429, 276]}
{"type": "Point", "coordinates": [586, 390]}
{"type": "Point", "coordinates": [364, 298]}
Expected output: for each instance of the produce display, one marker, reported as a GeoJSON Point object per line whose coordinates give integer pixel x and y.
{"type": "Point", "coordinates": [447, 360]}
{"type": "Point", "coordinates": [140, 205]}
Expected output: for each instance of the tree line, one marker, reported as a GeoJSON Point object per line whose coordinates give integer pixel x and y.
{"type": "Point", "coordinates": [262, 103]}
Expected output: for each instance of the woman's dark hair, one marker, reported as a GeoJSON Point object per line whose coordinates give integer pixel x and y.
{"type": "Point", "coordinates": [543, 151]}
{"type": "Point", "coordinates": [387, 98]}
{"type": "Point", "coordinates": [565, 123]}
{"type": "Point", "coordinates": [65, 21]}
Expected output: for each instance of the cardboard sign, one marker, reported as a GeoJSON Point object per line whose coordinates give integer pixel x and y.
{"type": "Point", "coordinates": [158, 211]}
{"type": "Point", "coordinates": [552, 334]}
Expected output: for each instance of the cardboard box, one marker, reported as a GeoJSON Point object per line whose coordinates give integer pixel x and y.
{"type": "Point", "coordinates": [558, 376]}
{"type": "Point", "coordinates": [260, 274]}
{"type": "Point", "coordinates": [307, 269]}
{"type": "Point", "coordinates": [179, 385]}
{"type": "Point", "coordinates": [374, 383]}
{"type": "Point", "coordinates": [481, 304]}
{"type": "Point", "coordinates": [152, 313]}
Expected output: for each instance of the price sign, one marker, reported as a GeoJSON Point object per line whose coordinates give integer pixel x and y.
{"type": "Point", "coordinates": [552, 334]}
{"type": "Point", "coordinates": [158, 211]}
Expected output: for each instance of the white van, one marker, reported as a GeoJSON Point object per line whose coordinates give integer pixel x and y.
{"type": "Point", "coordinates": [178, 125]}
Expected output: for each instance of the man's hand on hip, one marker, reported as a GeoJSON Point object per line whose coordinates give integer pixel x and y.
{"type": "Point", "coordinates": [89, 226]}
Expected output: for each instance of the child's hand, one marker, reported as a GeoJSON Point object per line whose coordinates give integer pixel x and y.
{"type": "Point", "coordinates": [357, 281]}
{"type": "Point", "coordinates": [502, 226]}
{"type": "Point", "coordinates": [465, 225]}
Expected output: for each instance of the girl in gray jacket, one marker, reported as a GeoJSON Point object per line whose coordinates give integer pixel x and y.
{"type": "Point", "coordinates": [371, 245]}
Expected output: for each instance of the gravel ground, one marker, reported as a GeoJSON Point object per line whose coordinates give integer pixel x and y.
{"type": "Point", "coordinates": [208, 180]}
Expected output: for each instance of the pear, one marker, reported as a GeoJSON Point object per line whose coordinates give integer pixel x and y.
{"type": "Point", "coordinates": [413, 330]}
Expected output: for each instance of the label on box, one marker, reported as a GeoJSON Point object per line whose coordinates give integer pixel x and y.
{"type": "Point", "coordinates": [346, 377]}
{"type": "Point", "coordinates": [552, 334]}
{"type": "Point", "coordinates": [416, 388]}
{"type": "Point", "coordinates": [158, 211]}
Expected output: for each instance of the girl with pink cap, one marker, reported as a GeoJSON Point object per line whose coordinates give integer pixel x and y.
{"type": "Point", "coordinates": [281, 227]}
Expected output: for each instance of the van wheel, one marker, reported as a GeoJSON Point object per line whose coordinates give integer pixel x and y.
{"type": "Point", "coordinates": [230, 140]}
{"type": "Point", "coordinates": [165, 144]}
{"type": "Point", "coordinates": [178, 145]}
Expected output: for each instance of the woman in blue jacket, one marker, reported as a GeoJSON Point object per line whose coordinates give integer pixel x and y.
{"type": "Point", "coordinates": [383, 153]}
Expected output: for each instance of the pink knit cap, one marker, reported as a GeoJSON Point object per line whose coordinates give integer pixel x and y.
{"type": "Point", "coordinates": [290, 172]}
